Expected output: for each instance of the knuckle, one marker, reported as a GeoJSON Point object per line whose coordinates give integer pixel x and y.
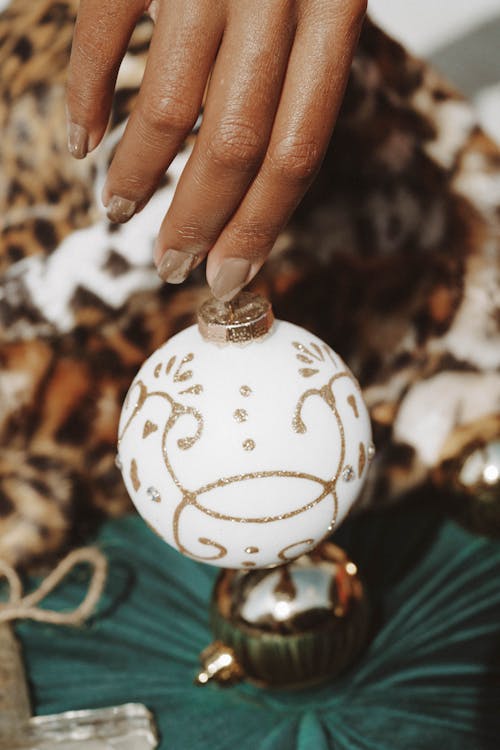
{"type": "Point", "coordinates": [122, 182]}
{"type": "Point", "coordinates": [236, 144]}
{"type": "Point", "coordinates": [295, 159]}
{"type": "Point", "coordinates": [193, 233]}
{"type": "Point", "coordinates": [329, 15]}
{"type": "Point", "coordinates": [253, 239]}
{"type": "Point", "coordinates": [92, 51]}
{"type": "Point", "coordinates": [169, 113]}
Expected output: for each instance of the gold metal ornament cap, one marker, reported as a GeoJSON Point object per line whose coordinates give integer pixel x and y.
{"type": "Point", "coordinates": [246, 318]}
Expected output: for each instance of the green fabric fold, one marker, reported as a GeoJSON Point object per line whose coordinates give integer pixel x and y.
{"type": "Point", "coordinates": [430, 675]}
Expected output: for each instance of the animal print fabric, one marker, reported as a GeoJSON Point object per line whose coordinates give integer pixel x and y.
{"type": "Point", "coordinates": [392, 258]}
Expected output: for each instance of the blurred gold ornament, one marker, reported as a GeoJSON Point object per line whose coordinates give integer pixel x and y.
{"type": "Point", "coordinates": [469, 474]}
{"type": "Point", "coordinates": [480, 472]}
{"type": "Point", "coordinates": [287, 626]}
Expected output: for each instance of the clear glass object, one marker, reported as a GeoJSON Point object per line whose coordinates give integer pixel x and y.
{"type": "Point", "coordinates": [126, 727]}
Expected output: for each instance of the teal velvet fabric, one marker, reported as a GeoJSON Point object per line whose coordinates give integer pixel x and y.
{"type": "Point", "coordinates": [430, 676]}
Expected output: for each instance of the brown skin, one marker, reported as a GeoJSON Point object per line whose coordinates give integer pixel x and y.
{"type": "Point", "coordinates": [277, 70]}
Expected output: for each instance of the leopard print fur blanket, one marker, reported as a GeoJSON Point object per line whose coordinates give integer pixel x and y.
{"type": "Point", "coordinates": [392, 258]}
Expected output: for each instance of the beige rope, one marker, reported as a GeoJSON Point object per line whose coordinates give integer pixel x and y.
{"type": "Point", "coordinates": [25, 607]}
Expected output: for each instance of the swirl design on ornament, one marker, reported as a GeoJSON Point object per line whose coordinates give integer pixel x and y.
{"type": "Point", "coordinates": [325, 393]}
{"type": "Point", "coordinates": [328, 488]}
{"type": "Point", "coordinates": [282, 553]}
{"type": "Point", "coordinates": [222, 551]}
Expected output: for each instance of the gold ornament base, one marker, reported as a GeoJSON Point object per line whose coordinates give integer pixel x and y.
{"type": "Point", "coordinates": [289, 626]}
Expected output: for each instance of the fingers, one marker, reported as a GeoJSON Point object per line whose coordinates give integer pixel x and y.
{"type": "Point", "coordinates": [313, 88]}
{"type": "Point", "coordinates": [102, 32]}
{"type": "Point", "coordinates": [273, 97]}
{"type": "Point", "coordinates": [184, 45]}
{"type": "Point", "coordinates": [242, 99]}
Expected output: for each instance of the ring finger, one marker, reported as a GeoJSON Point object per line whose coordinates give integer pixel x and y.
{"type": "Point", "coordinates": [312, 92]}
{"type": "Point", "coordinates": [243, 95]}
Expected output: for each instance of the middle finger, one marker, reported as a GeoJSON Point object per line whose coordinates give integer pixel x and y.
{"type": "Point", "coordinates": [241, 103]}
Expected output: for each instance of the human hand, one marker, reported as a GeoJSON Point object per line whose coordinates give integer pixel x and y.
{"type": "Point", "coordinates": [277, 72]}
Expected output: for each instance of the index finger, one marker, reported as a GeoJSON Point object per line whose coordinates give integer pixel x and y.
{"type": "Point", "coordinates": [102, 33]}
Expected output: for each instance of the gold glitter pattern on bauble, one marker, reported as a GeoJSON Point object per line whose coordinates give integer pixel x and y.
{"type": "Point", "coordinates": [361, 459]}
{"type": "Point", "coordinates": [222, 551]}
{"type": "Point", "coordinates": [307, 372]}
{"type": "Point", "coordinates": [170, 364]}
{"type": "Point", "coordinates": [251, 550]}
{"type": "Point", "coordinates": [328, 488]}
{"type": "Point", "coordinates": [240, 415]}
{"type": "Point", "coordinates": [180, 411]}
{"type": "Point", "coordinates": [351, 400]}
{"type": "Point", "coordinates": [312, 355]}
{"type": "Point", "coordinates": [194, 389]}
{"type": "Point", "coordinates": [149, 427]}
{"type": "Point", "coordinates": [282, 554]}
{"type": "Point", "coordinates": [248, 445]}
{"type": "Point", "coordinates": [134, 477]}
{"type": "Point", "coordinates": [180, 376]}
{"type": "Point", "coordinates": [326, 393]}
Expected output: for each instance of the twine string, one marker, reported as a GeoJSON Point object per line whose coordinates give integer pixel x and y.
{"type": "Point", "coordinates": [26, 607]}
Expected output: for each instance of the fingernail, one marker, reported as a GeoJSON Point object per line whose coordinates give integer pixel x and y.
{"type": "Point", "coordinates": [153, 10]}
{"type": "Point", "coordinates": [120, 209]}
{"type": "Point", "coordinates": [175, 266]}
{"type": "Point", "coordinates": [78, 140]}
{"type": "Point", "coordinates": [230, 278]}
{"type": "Point", "coordinates": [157, 251]}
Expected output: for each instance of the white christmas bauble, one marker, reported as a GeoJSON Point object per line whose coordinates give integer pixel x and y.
{"type": "Point", "coordinates": [244, 455]}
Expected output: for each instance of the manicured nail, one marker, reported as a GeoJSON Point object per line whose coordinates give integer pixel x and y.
{"type": "Point", "coordinates": [230, 278]}
{"type": "Point", "coordinates": [78, 140]}
{"type": "Point", "coordinates": [157, 251]}
{"type": "Point", "coordinates": [120, 209]}
{"type": "Point", "coordinates": [175, 265]}
{"type": "Point", "coordinates": [153, 10]}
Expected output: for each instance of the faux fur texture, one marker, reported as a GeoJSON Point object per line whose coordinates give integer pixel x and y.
{"type": "Point", "coordinates": [392, 258]}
